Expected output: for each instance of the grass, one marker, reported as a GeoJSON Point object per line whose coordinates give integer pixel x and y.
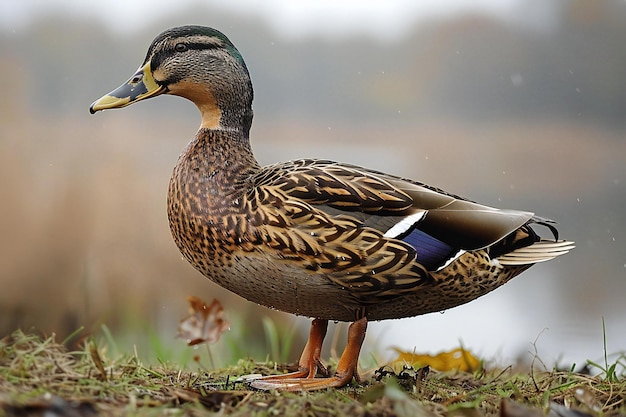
{"type": "Point", "coordinates": [39, 375]}
{"type": "Point", "coordinates": [609, 370]}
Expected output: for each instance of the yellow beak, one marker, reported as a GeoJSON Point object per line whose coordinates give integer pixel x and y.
{"type": "Point", "coordinates": [139, 87]}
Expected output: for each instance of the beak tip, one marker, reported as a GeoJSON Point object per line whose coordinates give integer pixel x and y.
{"type": "Point", "coordinates": [94, 107]}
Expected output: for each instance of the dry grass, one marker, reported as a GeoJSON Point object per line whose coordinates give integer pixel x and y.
{"type": "Point", "coordinates": [40, 375]}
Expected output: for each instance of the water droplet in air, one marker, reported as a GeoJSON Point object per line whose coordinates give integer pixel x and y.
{"type": "Point", "coordinates": [517, 79]}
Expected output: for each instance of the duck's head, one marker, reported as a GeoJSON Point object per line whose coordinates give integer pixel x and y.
{"type": "Point", "coordinates": [199, 64]}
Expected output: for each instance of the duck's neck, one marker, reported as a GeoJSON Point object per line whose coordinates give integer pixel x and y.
{"type": "Point", "coordinates": [224, 112]}
{"type": "Point", "coordinates": [207, 179]}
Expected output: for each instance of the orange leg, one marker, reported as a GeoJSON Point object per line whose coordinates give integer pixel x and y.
{"type": "Point", "coordinates": [310, 359]}
{"type": "Point", "coordinates": [303, 380]}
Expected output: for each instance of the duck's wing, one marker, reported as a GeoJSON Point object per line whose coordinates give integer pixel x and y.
{"type": "Point", "coordinates": [395, 206]}
{"type": "Point", "coordinates": [373, 234]}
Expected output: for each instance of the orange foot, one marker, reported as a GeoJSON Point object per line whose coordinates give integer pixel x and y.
{"type": "Point", "coordinates": [304, 378]}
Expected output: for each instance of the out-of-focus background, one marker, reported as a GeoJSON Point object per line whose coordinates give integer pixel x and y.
{"type": "Point", "coordinates": [516, 104]}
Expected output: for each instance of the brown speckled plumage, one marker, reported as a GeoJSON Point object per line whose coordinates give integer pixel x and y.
{"type": "Point", "coordinates": [311, 237]}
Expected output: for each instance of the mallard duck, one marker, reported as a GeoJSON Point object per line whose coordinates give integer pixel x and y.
{"type": "Point", "coordinates": [317, 238]}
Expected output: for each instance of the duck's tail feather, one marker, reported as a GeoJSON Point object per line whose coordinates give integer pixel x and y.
{"type": "Point", "coordinates": [540, 251]}
{"type": "Point", "coordinates": [546, 223]}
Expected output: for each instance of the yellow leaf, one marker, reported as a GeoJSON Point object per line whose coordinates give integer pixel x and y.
{"type": "Point", "coordinates": [457, 359]}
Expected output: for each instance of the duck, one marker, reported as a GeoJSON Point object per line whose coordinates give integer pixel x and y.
{"type": "Point", "coordinates": [328, 240]}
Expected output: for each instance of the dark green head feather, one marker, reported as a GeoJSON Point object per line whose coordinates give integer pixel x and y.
{"type": "Point", "coordinates": [196, 37]}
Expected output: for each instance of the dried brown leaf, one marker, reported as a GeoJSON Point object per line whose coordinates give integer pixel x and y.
{"type": "Point", "coordinates": [205, 323]}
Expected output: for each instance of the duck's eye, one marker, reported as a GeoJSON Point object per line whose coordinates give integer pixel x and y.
{"type": "Point", "coordinates": [181, 47]}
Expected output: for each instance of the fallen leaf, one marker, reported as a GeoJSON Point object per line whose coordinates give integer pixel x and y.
{"type": "Point", "coordinates": [204, 323]}
{"type": "Point", "coordinates": [559, 410]}
{"type": "Point", "coordinates": [510, 408]}
{"type": "Point", "coordinates": [393, 396]}
{"type": "Point", "coordinates": [457, 359]}
{"type": "Point", "coordinates": [587, 397]}
{"type": "Point", "coordinates": [51, 405]}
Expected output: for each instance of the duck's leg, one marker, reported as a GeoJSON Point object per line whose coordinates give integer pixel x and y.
{"type": "Point", "coordinates": [309, 360]}
{"type": "Point", "coordinates": [305, 381]}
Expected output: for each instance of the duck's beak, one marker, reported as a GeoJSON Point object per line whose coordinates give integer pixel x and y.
{"type": "Point", "coordinates": [139, 87]}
